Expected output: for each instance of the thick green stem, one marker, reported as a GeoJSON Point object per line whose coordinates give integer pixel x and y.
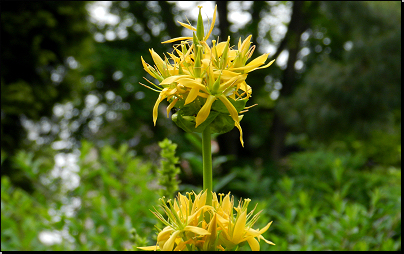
{"type": "Point", "coordinates": [207, 164]}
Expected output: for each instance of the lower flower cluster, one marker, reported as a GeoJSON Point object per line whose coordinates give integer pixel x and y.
{"type": "Point", "coordinates": [194, 225]}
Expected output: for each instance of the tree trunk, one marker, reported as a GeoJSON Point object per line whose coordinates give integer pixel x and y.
{"type": "Point", "coordinates": [291, 43]}
{"type": "Point", "coordinates": [223, 21]}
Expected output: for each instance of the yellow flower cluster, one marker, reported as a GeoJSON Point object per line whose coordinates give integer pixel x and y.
{"type": "Point", "coordinates": [193, 225]}
{"type": "Point", "coordinates": [210, 78]}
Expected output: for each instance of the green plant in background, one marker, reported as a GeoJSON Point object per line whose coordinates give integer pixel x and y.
{"type": "Point", "coordinates": [98, 214]}
{"type": "Point", "coordinates": [207, 86]}
{"type": "Point", "coordinates": [168, 172]}
{"type": "Point", "coordinates": [332, 201]}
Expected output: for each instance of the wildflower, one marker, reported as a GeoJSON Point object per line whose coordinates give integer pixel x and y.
{"type": "Point", "coordinates": [205, 81]}
{"type": "Point", "coordinates": [193, 225]}
{"type": "Point", "coordinates": [239, 229]}
{"type": "Point", "coordinates": [183, 218]}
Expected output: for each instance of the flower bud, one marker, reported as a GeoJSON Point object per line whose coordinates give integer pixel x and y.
{"type": "Point", "coordinates": [199, 26]}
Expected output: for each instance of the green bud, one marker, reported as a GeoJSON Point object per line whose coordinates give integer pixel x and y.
{"type": "Point", "coordinates": [184, 52]}
{"type": "Point", "coordinates": [198, 63]}
{"type": "Point", "coordinates": [224, 56]}
{"type": "Point", "coordinates": [215, 86]}
{"type": "Point", "coordinates": [195, 40]}
{"type": "Point", "coordinates": [199, 26]}
{"type": "Point", "coordinates": [181, 72]}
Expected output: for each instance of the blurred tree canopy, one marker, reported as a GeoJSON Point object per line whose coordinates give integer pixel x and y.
{"type": "Point", "coordinates": [37, 38]}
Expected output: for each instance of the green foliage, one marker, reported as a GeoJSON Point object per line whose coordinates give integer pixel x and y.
{"type": "Point", "coordinates": [304, 222]}
{"type": "Point", "coordinates": [354, 91]}
{"type": "Point", "coordinates": [327, 199]}
{"type": "Point", "coordinates": [21, 219]}
{"type": "Point", "coordinates": [114, 195]}
{"type": "Point", "coordinates": [168, 172]}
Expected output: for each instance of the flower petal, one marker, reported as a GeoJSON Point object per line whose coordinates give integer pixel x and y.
{"type": "Point", "coordinates": [161, 97]}
{"type": "Point", "coordinates": [212, 25]}
{"type": "Point", "coordinates": [192, 83]}
{"type": "Point", "coordinates": [168, 246]}
{"type": "Point", "coordinates": [254, 245]}
{"type": "Point", "coordinates": [232, 110]}
{"type": "Point", "coordinates": [155, 247]}
{"type": "Point", "coordinates": [259, 60]}
{"type": "Point", "coordinates": [268, 242]}
{"type": "Point", "coordinates": [161, 65]}
{"type": "Point", "coordinates": [147, 68]}
{"type": "Point", "coordinates": [177, 39]}
{"type": "Point", "coordinates": [165, 233]}
{"type": "Point", "coordinates": [192, 95]}
{"type": "Point", "coordinates": [172, 104]}
{"type": "Point", "coordinates": [241, 133]}
{"type": "Point", "coordinates": [238, 232]}
{"type": "Point", "coordinates": [205, 110]}
{"type": "Point", "coordinates": [172, 79]}
{"type": "Point", "coordinates": [197, 230]}
{"type": "Point", "coordinates": [187, 26]}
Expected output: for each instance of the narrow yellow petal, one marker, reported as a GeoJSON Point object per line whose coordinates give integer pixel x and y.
{"type": "Point", "coordinates": [254, 245]}
{"type": "Point", "coordinates": [226, 203]}
{"type": "Point", "coordinates": [238, 231]}
{"type": "Point", "coordinates": [182, 245]}
{"type": "Point", "coordinates": [197, 230]}
{"type": "Point", "coordinates": [187, 26]}
{"type": "Point", "coordinates": [268, 242]}
{"type": "Point", "coordinates": [212, 25]}
{"type": "Point", "coordinates": [177, 39]}
{"type": "Point", "coordinates": [267, 65]}
{"type": "Point", "coordinates": [164, 234]}
{"type": "Point", "coordinates": [155, 247]}
{"type": "Point", "coordinates": [264, 229]}
{"type": "Point", "coordinates": [161, 97]}
{"type": "Point", "coordinates": [168, 246]}
{"type": "Point", "coordinates": [224, 229]}
{"type": "Point", "coordinates": [203, 95]}
{"type": "Point", "coordinates": [210, 240]}
{"type": "Point", "coordinates": [205, 110]}
{"type": "Point", "coordinates": [259, 60]}
{"type": "Point", "coordinates": [172, 104]}
{"type": "Point", "coordinates": [146, 68]}
{"type": "Point", "coordinates": [246, 44]}
{"type": "Point", "coordinates": [220, 48]}
{"type": "Point", "coordinates": [232, 110]}
{"type": "Point", "coordinates": [241, 133]}
{"type": "Point", "coordinates": [226, 75]}
{"type": "Point", "coordinates": [192, 83]}
{"type": "Point", "coordinates": [172, 79]}
{"type": "Point", "coordinates": [192, 95]}
{"type": "Point", "coordinates": [161, 66]}
{"type": "Point", "coordinates": [232, 81]}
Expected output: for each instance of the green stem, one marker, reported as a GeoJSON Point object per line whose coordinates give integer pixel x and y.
{"type": "Point", "coordinates": [207, 164]}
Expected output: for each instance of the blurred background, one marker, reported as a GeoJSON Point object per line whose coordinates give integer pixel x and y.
{"type": "Point", "coordinates": [80, 154]}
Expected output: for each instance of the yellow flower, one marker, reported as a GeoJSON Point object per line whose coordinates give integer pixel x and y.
{"type": "Point", "coordinates": [183, 218]}
{"type": "Point", "coordinates": [237, 230]}
{"type": "Point", "coordinates": [193, 225]}
{"type": "Point", "coordinates": [200, 75]}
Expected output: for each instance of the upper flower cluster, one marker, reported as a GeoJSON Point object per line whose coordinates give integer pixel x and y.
{"type": "Point", "coordinates": [193, 225]}
{"type": "Point", "coordinates": [207, 83]}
